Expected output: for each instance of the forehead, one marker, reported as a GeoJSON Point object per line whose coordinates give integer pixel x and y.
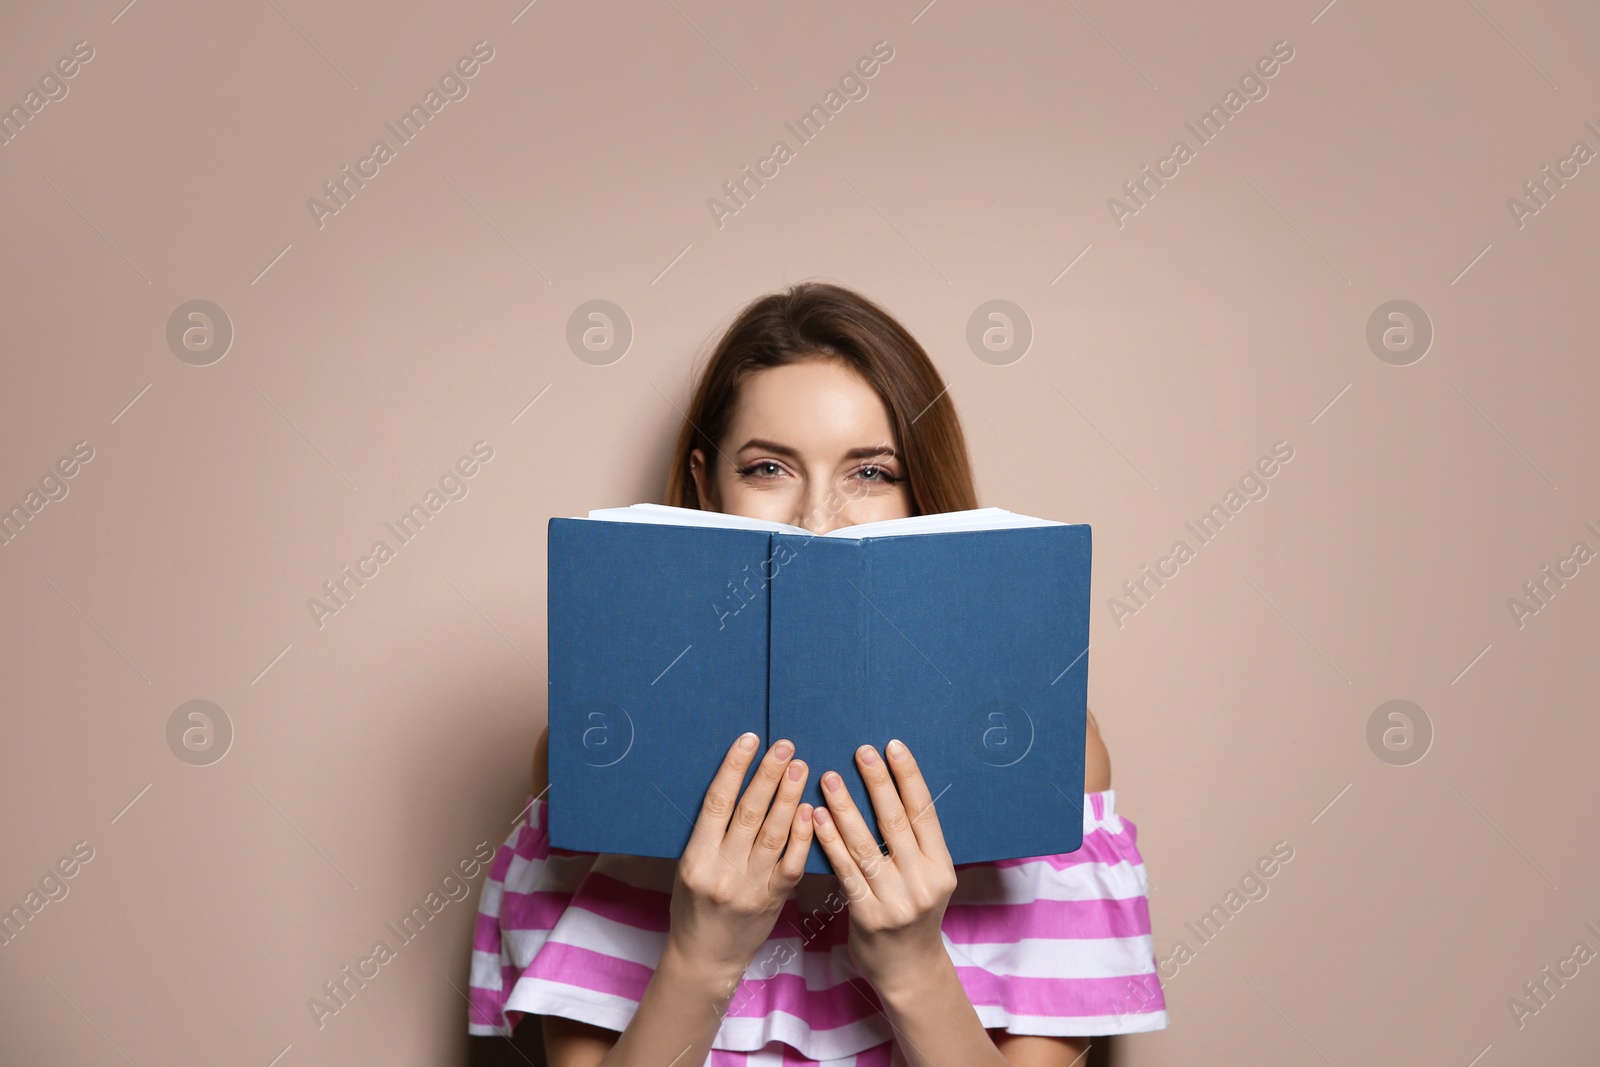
{"type": "Point", "coordinates": [820, 404]}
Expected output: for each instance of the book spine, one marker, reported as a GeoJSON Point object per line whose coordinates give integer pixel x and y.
{"type": "Point", "coordinates": [820, 633]}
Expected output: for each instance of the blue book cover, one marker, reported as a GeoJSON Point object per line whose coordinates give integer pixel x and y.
{"type": "Point", "coordinates": [965, 635]}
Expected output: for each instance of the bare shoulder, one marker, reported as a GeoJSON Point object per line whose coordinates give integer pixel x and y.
{"type": "Point", "coordinates": [1096, 760]}
{"type": "Point", "coordinates": [541, 763]}
{"type": "Point", "coordinates": [569, 1043]}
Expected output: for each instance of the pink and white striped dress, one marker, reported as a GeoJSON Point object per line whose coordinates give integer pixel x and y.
{"type": "Point", "coordinates": [1047, 945]}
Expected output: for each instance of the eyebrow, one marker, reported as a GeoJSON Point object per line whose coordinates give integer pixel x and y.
{"type": "Point", "coordinates": [785, 450]}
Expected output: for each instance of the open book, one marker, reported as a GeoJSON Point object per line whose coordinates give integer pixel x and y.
{"type": "Point", "coordinates": [672, 631]}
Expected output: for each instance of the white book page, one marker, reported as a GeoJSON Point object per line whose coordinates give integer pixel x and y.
{"type": "Point", "coordinates": [944, 522]}
{"type": "Point", "coordinates": [663, 514]}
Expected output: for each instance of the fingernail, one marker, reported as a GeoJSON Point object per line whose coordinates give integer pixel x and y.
{"type": "Point", "coordinates": [832, 781]}
{"type": "Point", "coordinates": [797, 770]}
{"type": "Point", "coordinates": [747, 742]}
{"type": "Point", "coordinates": [868, 754]}
{"type": "Point", "coordinates": [805, 813]}
{"type": "Point", "coordinates": [895, 749]}
{"type": "Point", "coordinates": [783, 749]}
{"type": "Point", "coordinates": [822, 816]}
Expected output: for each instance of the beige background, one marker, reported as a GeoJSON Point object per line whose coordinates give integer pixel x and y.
{"type": "Point", "coordinates": [373, 753]}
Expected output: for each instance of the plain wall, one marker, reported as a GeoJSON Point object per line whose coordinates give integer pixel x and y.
{"type": "Point", "coordinates": [374, 750]}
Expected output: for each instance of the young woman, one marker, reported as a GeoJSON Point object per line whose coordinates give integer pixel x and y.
{"type": "Point", "coordinates": [818, 409]}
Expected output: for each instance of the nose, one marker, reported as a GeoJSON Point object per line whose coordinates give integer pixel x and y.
{"type": "Point", "coordinates": [817, 513]}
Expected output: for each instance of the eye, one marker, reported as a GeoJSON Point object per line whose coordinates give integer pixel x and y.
{"type": "Point", "coordinates": [877, 474]}
{"type": "Point", "coordinates": [760, 469]}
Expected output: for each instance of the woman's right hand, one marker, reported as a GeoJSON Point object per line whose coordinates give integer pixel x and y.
{"type": "Point", "coordinates": [734, 876]}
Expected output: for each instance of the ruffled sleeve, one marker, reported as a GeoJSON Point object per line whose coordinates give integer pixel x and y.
{"type": "Point", "coordinates": [1060, 945]}
{"type": "Point", "coordinates": [528, 887]}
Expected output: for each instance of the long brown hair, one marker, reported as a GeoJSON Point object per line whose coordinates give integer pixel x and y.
{"type": "Point", "coordinates": [818, 320]}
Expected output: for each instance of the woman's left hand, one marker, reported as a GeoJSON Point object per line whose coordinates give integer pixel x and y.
{"type": "Point", "coordinates": [897, 902]}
